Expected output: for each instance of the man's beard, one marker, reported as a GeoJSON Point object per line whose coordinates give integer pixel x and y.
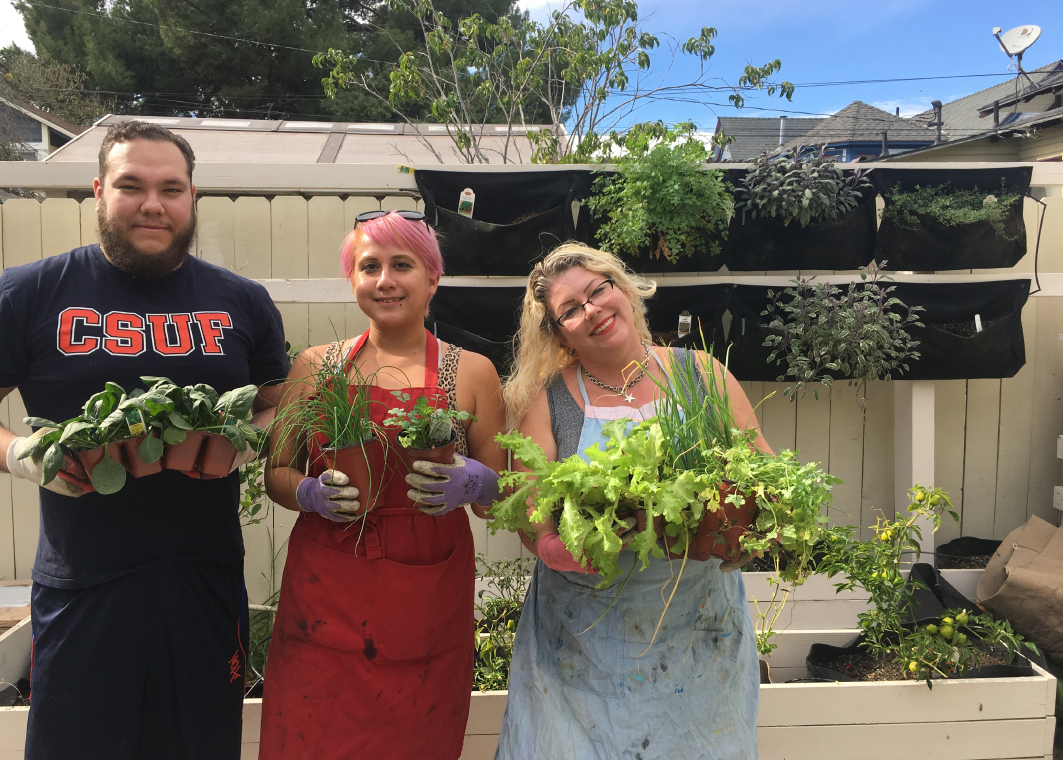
{"type": "Point", "coordinates": [133, 261]}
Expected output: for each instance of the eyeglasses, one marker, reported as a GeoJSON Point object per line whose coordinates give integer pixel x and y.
{"type": "Point", "coordinates": [413, 216]}
{"type": "Point", "coordinates": [569, 314]}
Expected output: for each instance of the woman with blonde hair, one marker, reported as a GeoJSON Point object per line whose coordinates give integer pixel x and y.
{"type": "Point", "coordinates": [371, 655]}
{"type": "Point", "coordinates": [582, 360]}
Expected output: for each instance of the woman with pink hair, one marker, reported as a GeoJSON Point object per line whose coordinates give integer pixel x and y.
{"type": "Point", "coordinates": [372, 654]}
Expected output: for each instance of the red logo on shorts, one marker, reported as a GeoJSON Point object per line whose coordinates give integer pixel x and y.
{"type": "Point", "coordinates": [235, 671]}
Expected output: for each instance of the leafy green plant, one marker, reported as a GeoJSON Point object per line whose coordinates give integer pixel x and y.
{"type": "Point", "coordinates": [798, 186]}
{"type": "Point", "coordinates": [338, 410]}
{"type": "Point", "coordinates": [253, 497]}
{"type": "Point", "coordinates": [860, 333]}
{"type": "Point", "coordinates": [498, 608]}
{"type": "Point", "coordinates": [661, 196]}
{"type": "Point", "coordinates": [950, 207]}
{"type": "Point", "coordinates": [424, 427]}
{"type": "Point", "coordinates": [955, 644]}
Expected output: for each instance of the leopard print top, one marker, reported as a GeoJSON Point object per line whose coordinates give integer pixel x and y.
{"type": "Point", "coordinates": [448, 381]}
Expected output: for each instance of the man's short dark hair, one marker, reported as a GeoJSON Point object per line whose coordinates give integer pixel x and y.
{"type": "Point", "coordinates": [124, 131]}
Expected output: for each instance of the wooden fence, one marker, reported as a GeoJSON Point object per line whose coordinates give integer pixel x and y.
{"type": "Point", "coordinates": [995, 440]}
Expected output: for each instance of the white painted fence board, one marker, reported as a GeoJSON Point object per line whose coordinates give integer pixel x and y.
{"type": "Point", "coordinates": [90, 228]}
{"type": "Point", "coordinates": [980, 466]}
{"type": "Point", "coordinates": [60, 225]}
{"type": "Point", "coordinates": [950, 414]}
{"type": "Point", "coordinates": [288, 217]}
{"type": "Point", "coordinates": [216, 231]}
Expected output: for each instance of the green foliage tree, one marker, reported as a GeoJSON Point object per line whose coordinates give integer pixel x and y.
{"type": "Point", "coordinates": [582, 77]}
{"type": "Point", "coordinates": [58, 88]}
{"type": "Point", "coordinates": [156, 56]}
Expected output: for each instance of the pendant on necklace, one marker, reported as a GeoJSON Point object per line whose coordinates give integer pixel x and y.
{"type": "Point", "coordinates": [629, 397]}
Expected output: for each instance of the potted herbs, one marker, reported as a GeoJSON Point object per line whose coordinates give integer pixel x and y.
{"type": "Point", "coordinates": [661, 204]}
{"type": "Point", "coordinates": [425, 432]}
{"type": "Point", "coordinates": [952, 218]}
{"type": "Point", "coordinates": [799, 210]}
{"type": "Point", "coordinates": [336, 414]}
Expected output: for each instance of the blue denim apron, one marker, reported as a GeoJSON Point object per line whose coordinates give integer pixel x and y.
{"type": "Point", "coordinates": [591, 696]}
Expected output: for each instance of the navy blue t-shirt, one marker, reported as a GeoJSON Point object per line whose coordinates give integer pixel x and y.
{"type": "Point", "coordinates": [69, 324]}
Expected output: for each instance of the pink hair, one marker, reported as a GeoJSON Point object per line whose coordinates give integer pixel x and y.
{"type": "Point", "coordinates": [393, 230]}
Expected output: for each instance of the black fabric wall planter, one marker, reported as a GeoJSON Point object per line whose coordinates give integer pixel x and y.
{"type": "Point", "coordinates": [821, 660]}
{"type": "Point", "coordinates": [706, 304]}
{"type": "Point", "coordinates": [765, 244]}
{"type": "Point", "coordinates": [700, 261]}
{"type": "Point", "coordinates": [935, 246]}
{"type": "Point", "coordinates": [949, 348]}
{"type": "Point", "coordinates": [749, 355]}
{"type": "Point", "coordinates": [518, 217]}
{"type": "Point", "coordinates": [959, 552]}
{"type": "Point", "coordinates": [480, 319]}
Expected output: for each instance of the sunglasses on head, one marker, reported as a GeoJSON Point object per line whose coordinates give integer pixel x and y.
{"type": "Point", "coordinates": [413, 216]}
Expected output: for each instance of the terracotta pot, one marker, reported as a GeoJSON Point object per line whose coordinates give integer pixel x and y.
{"type": "Point", "coordinates": [137, 466]}
{"type": "Point", "coordinates": [439, 455]}
{"type": "Point", "coordinates": [720, 530]}
{"type": "Point", "coordinates": [363, 463]}
{"type": "Point", "coordinates": [89, 459]}
{"type": "Point", "coordinates": [216, 457]}
{"type": "Point", "coordinates": [182, 456]}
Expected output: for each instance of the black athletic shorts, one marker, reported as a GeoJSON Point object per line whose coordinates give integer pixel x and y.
{"type": "Point", "coordinates": [147, 666]}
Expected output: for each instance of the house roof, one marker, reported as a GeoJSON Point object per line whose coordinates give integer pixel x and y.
{"type": "Point", "coordinates": [859, 122]}
{"type": "Point", "coordinates": [755, 135]}
{"type": "Point", "coordinates": [961, 117]}
{"type": "Point", "coordinates": [294, 142]}
{"type": "Point", "coordinates": [60, 125]}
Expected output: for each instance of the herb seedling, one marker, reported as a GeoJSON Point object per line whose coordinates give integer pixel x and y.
{"type": "Point", "coordinates": [424, 427]}
{"type": "Point", "coordinates": [950, 207]}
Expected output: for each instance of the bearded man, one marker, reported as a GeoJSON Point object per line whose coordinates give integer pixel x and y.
{"type": "Point", "coordinates": [138, 603]}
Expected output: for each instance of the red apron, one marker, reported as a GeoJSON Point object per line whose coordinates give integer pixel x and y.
{"type": "Point", "coordinates": [372, 650]}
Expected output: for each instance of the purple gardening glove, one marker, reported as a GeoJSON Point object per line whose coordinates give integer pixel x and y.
{"type": "Point", "coordinates": [319, 495]}
{"type": "Point", "coordinates": [445, 487]}
{"type": "Point", "coordinates": [556, 556]}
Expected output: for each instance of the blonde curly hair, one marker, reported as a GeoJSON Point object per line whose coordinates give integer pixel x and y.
{"type": "Point", "coordinates": [538, 356]}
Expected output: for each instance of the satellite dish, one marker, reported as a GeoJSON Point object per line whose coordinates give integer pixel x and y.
{"type": "Point", "coordinates": [1015, 41]}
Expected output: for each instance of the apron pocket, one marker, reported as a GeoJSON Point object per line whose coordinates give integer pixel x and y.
{"type": "Point", "coordinates": [585, 661]}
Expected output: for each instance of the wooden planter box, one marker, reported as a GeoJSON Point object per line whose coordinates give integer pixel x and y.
{"type": "Point", "coordinates": [972, 719]}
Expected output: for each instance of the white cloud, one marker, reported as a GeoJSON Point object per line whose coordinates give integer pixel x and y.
{"type": "Point", "coordinates": [908, 107]}
{"type": "Point", "coordinates": [12, 28]}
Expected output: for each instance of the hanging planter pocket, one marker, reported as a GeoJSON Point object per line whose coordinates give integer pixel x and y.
{"type": "Point", "coordinates": [702, 260]}
{"type": "Point", "coordinates": [706, 305]}
{"type": "Point", "coordinates": [746, 335]}
{"type": "Point", "coordinates": [482, 319]}
{"type": "Point", "coordinates": [951, 347]}
{"type": "Point", "coordinates": [765, 243]}
{"type": "Point", "coordinates": [517, 217]}
{"type": "Point", "coordinates": [934, 246]}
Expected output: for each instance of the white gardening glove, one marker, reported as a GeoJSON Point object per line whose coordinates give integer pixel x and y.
{"type": "Point", "coordinates": [32, 468]}
{"type": "Point", "coordinates": [249, 454]}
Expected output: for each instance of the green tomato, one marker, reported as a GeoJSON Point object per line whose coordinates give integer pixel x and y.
{"type": "Point", "coordinates": [935, 500]}
{"type": "Point", "coordinates": [913, 666]}
{"type": "Point", "coordinates": [946, 620]}
{"type": "Point", "coordinates": [962, 618]}
{"type": "Point", "coordinates": [959, 639]}
{"type": "Point", "coordinates": [920, 495]}
{"type": "Point", "coordinates": [946, 632]}
{"type": "Point", "coordinates": [931, 629]}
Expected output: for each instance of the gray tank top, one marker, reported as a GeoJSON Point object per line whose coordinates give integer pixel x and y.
{"type": "Point", "coordinates": [566, 418]}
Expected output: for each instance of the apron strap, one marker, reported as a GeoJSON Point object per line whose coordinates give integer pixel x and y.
{"type": "Point", "coordinates": [582, 387]}
{"type": "Point", "coordinates": [431, 356]}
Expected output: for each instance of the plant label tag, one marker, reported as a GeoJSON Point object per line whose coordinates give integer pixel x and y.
{"type": "Point", "coordinates": [466, 202]}
{"type": "Point", "coordinates": [978, 323]}
{"type": "Point", "coordinates": [405, 169]}
{"type": "Point", "coordinates": [135, 421]}
{"type": "Point", "coordinates": [684, 323]}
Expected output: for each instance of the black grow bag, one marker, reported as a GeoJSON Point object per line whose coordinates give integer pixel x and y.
{"type": "Point", "coordinates": [700, 261]}
{"type": "Point", "coordinates": [936, 596]}
{"type": "Point", "coordinates": [518, 217]}
{"type": "Point", "coordinates": [820, 656]}
{"type": "Point", "coordinates": [934, 246]}
{"type": "Point", "coordinates": [749, 355]}
{"type": "Point", "coordinates": [765, 243]}
{"type": "Point", "coordinates": [706, 304]}
{"type": "Point", "coordinates": [951, 554]}
{"type": "Point", "coordinates": [480, 319]}
{"type": "Point", "coordinates": [945, 351]}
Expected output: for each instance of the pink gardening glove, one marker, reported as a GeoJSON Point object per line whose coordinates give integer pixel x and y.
{"type": "Point", "coordinates": [555, 554]}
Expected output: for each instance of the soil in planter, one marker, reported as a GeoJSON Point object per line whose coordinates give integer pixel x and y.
{"type": "Point", "coordinates": [865, 667]}
{"type": "Point", "coordinates": [976, 562]}
{"type": "Point", "coordinates": [962, 329]}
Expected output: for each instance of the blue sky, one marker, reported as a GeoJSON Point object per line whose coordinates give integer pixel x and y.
{"type": "Point", "coordinates": [824, 41]}
{"type": "Point", "coordinates": [832, 40]}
